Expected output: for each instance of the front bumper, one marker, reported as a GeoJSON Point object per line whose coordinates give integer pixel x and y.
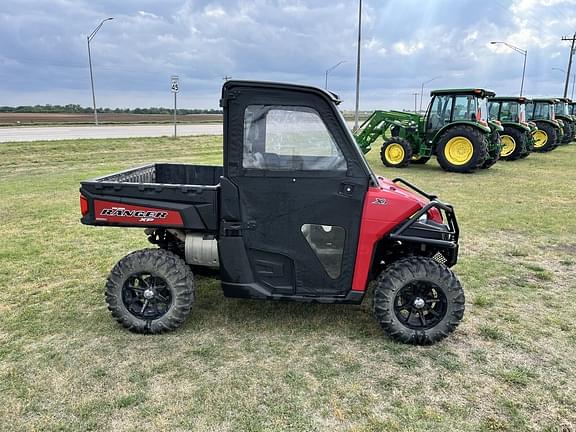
{"type": "Point", "coordinates": [442, 237]}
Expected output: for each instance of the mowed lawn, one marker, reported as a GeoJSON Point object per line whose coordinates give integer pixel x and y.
{"type": "Point", "coordinates": [240, 365]}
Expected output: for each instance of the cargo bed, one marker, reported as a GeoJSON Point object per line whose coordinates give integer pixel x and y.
{"type": "Point", "coordinates": [189, 194]}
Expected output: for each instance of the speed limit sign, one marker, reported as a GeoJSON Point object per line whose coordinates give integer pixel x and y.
{"type": "Point", "coordinates": [175, 85]}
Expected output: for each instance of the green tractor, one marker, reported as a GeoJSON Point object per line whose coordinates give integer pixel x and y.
{"type": "Point", "coordinates": [562, 111]}
{"type": "Point", "coordinates": [517, 137]}
{"type": "Point", "coordinates": [455, 129]}
{"type": "Point", "coordinates": [550, 130]}
{"type": "Point", "coordinates": [572, 107]}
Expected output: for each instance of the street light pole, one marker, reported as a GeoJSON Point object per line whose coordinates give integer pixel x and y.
{"type": "Point", "coordinates": [573, 79]}
{"type": "Point", "coordinates": [415, 102]}
{"type": "Point", "coordinates": [88, 40]}
{"type": "Point", "coordinates": [358, 64]}
{"type": "Point", "coordinates": [518, 50]}
{"type": "Point", "coordinates": [422, 89]}
{"type": "Point", "coordinates": [330, 69]}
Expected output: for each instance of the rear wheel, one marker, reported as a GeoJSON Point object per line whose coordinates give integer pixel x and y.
{"type": "Point", "coordinates": [495, 148]}
{"type": "Point", "coordinates": [461, 149]}
{"type": "Point", "coordinates": [513, 144]}
{"type": "Point", "coordinates": [544, 137]}
{"type": "Point", "coordinates": [418, 300]}
{"type": "Point", "coordinates": [150, 291]}
{"type": "Point", "coordinates": [493, 157]}
{"type": "Point", "coordinates": [568, 132]}
{"type": "Point", "coordinates": [396, 153]}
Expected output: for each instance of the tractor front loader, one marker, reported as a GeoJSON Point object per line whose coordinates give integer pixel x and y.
{"type": "Point", "coordinates": [455, 129]}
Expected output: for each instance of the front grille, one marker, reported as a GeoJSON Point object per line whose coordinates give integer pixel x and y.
{"type": "Point", "coordinates": [438, 257]}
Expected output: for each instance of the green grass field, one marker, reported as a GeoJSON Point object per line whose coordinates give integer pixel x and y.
{"type": "Point", "coordinates": [239, 365]}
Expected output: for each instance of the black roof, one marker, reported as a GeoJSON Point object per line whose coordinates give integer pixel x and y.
{"type": "Point", "coordinates": [280, 85]}
{"type": "Point", "coordinates": [520, 99]}
{"type": "Point", "coordinates": [464, 91]}
{"type": "Point", "coordinates": [545, 100]}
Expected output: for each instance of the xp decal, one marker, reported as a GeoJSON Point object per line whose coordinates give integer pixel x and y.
{"type": "Point", "coordinates": [126, 213]}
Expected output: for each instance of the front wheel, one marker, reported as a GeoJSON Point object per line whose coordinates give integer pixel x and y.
{"type": "Point", "coordinates": [513, 144]}
{"type": "Point", "coordinates": [544, 137]}
{"type": "Point", "coordinates": [418, 301]}
{"type": "Point", "coordinates": [396, 153]}
{"type": "Point", "coordinates": [150, 291]}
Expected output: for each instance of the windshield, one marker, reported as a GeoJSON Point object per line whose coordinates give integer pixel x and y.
{"type": "Point", "coordinates": [510, 111]}
{"type": "Point", "coordinates": [493, 108]}
{"type": "Point", "coordinates": [562, 108]}
{"type": "Point", "coordinates": [529, 111]}
{"type": "Point", "coordinates": [466, 108]}
{"type": "Point", "coordinates": [543, 111]}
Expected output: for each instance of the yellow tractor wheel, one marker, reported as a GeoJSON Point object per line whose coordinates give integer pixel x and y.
{"type": "Point", "coordinates": [462, 148]}
{"type": "Point", "coordinates": [508, 146]}
{"type": "Point", "coordinates": [396, 153]}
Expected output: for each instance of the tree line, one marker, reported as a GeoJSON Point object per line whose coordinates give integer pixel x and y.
{"type": "Point", "coordinates": [77, 109]}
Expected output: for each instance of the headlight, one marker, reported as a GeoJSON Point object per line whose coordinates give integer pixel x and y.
{"type": "Point", "coordinates": [423, 218]}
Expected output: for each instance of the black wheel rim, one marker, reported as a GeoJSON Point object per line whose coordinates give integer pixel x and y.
{"type": "Point", "coordinates": [146, 296]}
{"type": "Point", "coordinates": [420, 305]}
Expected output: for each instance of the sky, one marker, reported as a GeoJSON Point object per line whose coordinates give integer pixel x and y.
{"type": "Point", "coordinates": [44, 60]}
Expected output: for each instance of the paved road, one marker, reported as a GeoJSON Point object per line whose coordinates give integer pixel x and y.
{"type": "Point", "coordinates": [15, 134]}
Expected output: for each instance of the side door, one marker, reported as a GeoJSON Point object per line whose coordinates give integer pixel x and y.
{"type": "Point", "coordinates": [293, 188]}
{"type": "Point", "coordinates": [439, 114]}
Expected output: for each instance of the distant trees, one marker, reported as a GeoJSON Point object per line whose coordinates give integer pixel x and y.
{"type": "Point", "coordinates": [77, 109]}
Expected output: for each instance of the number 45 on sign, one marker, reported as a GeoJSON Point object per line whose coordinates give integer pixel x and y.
{"type": "Point", "coordinates": [175, 86]}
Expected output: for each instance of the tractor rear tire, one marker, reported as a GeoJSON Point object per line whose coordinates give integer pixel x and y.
{"type": "Point", "coordinates": [544, 138]}
{"type": "Point", "coordinates": [396, 153]}
{"type": "Point", "coordinates": [150, 291]}
{"type": "Point", "coordinates": [493, 157]}
{"type": "Point", "coordinates": [559, 138]}
{"type": "Point", "coordinates": [568, 132]}
{"type": "Point", "coordinates": [418, 301]}
{"type": "Point", "coordinates": [461, 149]}
{"type": "Point", "coordinates": [514, 144]}
{"type": "Point", "coordinates": [494, 152]}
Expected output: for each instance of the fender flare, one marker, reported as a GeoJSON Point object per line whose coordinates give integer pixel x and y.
{"type": "Point", "coordinates": [516, 126]}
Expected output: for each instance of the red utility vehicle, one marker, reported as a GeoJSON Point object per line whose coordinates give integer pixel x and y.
{"type": "Point", "coordinates": [295, 213]}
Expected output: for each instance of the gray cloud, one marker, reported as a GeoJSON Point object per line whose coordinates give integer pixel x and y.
{"type": "Point", "coordinates": [43, 55]}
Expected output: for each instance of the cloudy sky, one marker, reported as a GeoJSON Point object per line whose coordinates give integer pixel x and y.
{"type": "Point", "coordinates": [43, 54]}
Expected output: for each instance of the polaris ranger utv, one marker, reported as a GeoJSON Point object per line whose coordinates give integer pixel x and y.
{"type": "Point", "coordinates": [295, 213]}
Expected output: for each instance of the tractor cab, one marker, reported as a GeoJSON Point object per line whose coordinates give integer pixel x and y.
{"type": "Point", "coordinates": [507, 109]}
{"type": "Point", "coordinates": [550, 130]}
{"type": "Point", "coordinates": [562, 107]}
{"type": "Point", "coordinates": [541, 109]}
{"type": "Point", "coordinates": [457, 105]}
{"type": "Point", "coordinates": [517, 139]}
{"type": "Point", "coordinates": [562, 111]}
